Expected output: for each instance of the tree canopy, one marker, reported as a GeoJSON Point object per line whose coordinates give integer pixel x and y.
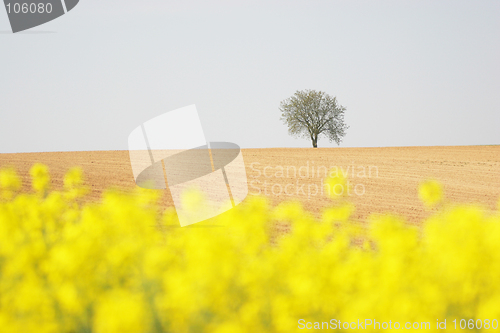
{"type": "Point", "coordinates": [310, 113]}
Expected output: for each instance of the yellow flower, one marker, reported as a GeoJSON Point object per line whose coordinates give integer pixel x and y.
{"type": "Point", "coordinates": [147, 196]}
{"type": "Point", "coordinates": [73, 184]}
{"type": "Point", "coordinates": [431, 193]}
{"type": "Point", "coordinates": [73, 178]}
{"type": "Point", "coordinates": [336, 185]}
{"type": "Point", "coordinates": [9, 183]}
{"type": "Point", "coordinates": [40, 177]}
{"type": "Point", "coordinates": [9, 179]}
{"type": "Point", "coordinates": [192, 199]}
{"type": "Point", "coordinates": [121, 311]}
{"type": "Point", "coordinates": [120, 266]}
{"type": "Point", "coordinates": [341, 213]}
{"type": "Point", "coordinates": [68, 298]}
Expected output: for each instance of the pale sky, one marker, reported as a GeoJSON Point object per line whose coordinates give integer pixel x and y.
{"type": "Point", "coordinates": [410, 73]}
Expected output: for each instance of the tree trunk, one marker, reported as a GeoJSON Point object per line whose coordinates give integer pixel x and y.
{"type": "Point", "coordinates": [314, 140]}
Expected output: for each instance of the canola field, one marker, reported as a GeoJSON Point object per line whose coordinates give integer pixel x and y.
{"type": "Point", "coordinates": [123, 264]}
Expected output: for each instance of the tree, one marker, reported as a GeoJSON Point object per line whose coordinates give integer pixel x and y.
{"type": "Point", "coordinates": [309, 113]}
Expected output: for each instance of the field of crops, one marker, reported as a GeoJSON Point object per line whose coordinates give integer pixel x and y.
{"type": "Point", "coordinates": [381, 179]}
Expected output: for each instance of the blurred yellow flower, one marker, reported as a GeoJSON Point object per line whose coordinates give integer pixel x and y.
{"type": "Point", "coordinates": [40, 177]}
{"type": "Point", "coordinates": [9, 179]}
{"type": "Point", "coordinates": [336, 185]}
{"type": "Point", "coordinates": [9, 183]}
{"type": "Point", "coordinates": [431, 193]}
{"type": "Point", "coordinates": [121, 311]}
{"type": "Point", "coordinates": [192, 199]}
{"type": "Point", "coordinates": [73, 184]}
{"type": "Point", "coordinates": [73, 178]}
{"type": "Point", "coordinates": [120, 265]}
{"type": "Point", "coordinates": [338, 214]}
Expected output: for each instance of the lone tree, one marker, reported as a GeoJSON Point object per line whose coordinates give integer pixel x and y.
{"type": "Point", "coordinates": [309, 113]}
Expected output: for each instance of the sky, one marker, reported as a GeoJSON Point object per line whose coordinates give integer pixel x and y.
{"type": "Point", "coordinates": [410, 73]}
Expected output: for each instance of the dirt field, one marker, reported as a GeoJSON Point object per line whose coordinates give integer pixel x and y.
{"type": "Point", "coordinates": [381, 179]}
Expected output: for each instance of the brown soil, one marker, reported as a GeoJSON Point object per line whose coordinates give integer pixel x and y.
{"type": "Point", "coordinates": [384, 179]}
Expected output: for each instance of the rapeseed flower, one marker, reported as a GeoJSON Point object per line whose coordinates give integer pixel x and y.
{"type": "Point", "coordinates": [336, 185]}
{"type": "Point", "coordinates": [9, 183]}
{"type": "Point", "coordinates": [431, 193]}
{"type": "Point", "coordinates": [121, 265]}
{"type": "Point", "coordinates": [40, 177]}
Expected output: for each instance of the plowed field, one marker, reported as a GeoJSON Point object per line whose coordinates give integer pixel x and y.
{"type": "Point", "coordinates": [381, 179]}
